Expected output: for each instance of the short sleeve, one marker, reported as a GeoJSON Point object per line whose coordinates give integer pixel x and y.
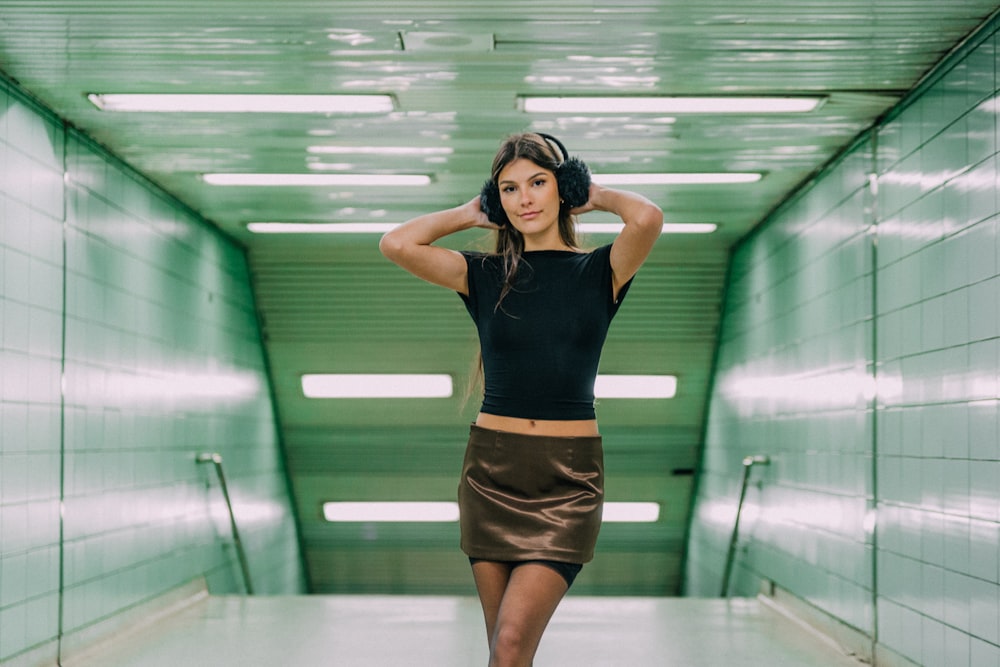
{"type": "Point", "coordinates": [603, 259]}
{"type": "Point", "coordinates": [474, 269]}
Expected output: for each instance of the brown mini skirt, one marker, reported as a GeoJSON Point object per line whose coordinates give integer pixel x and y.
{"type": "Point", "coordinates": [529, 497]}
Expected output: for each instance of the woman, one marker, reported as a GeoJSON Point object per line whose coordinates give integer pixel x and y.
{"type": "Point", "coordinates": [532, 483]}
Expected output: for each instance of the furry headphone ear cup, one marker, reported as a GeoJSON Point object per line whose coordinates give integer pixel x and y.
{"type": "Point", "coordinates": [573, 177]}
{"type": "Point", "coordinates": [489, 202]}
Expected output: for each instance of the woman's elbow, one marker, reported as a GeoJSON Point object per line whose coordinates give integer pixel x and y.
{"type": "Point", "coordinates": [390, 246]}
{"type": "Point", "coordinates": [653, 219]}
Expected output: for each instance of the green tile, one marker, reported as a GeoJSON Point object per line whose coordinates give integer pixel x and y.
{"type": "Point", "coordinates": [984, 654]}
{"type": "Point", "coordinates": [936, 332]}
{"type": "Point", "coordinates": [129, 525]}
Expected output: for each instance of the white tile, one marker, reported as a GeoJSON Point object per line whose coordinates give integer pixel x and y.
{"type": "Point", "coordinates": [376, 631]}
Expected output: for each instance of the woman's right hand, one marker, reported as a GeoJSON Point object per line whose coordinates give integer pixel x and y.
{"type": "Point", "coordinates": [476, 211]}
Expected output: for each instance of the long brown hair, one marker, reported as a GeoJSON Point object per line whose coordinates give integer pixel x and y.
{"type": "Point", "coordinates": [510, 242]}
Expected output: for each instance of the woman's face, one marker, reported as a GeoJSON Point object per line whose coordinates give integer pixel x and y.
{"type": "Point", "coordinates": [529, 195]}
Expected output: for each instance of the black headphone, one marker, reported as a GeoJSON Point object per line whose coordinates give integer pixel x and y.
{"type": "Point", "coordinates": [572, 177]}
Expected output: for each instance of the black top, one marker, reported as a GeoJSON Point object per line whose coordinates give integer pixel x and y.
{"type": "Point", "coordinates": [542, 345]}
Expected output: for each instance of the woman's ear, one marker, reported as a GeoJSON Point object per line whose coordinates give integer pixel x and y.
{"type": "Point", "coordinates": [489, 202]}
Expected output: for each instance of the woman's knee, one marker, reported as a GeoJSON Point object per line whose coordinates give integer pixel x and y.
{"type": "Point", "coordinates": [512, 645]}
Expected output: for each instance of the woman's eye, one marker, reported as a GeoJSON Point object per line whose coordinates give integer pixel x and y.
{"type": "Point", "coordinates": [508, 188]}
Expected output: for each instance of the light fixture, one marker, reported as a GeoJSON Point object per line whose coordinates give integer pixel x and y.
{"type": "Point", "coordinates": [669, 105]}
{"type": "Point", "coordinates": [321, 227]}
{"type": "Point", "coordinates": [678, 178]}
{"type": "Point", "coordinates": [383, 385]}
{"type": "Point", "coordinates": [315, 180]}
{"type": "Point", "coordinates": [447, 512]}
{"type": "Point", "coordinates": [425, 512]}
{"type": "Point", "coordinates": [383, 227]}
{"type": "Point", "coordinates": [635, 386]}
{"type": "Point", "coordinates": [380, 150]}
{"type": "Point", "coordinates": [668, 227]}
{"type": "Point", "coordinates": [624, 512]}
{"type": "Point", "coordinates": [243, 103]}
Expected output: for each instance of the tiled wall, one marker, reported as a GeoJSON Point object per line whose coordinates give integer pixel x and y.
{"type": "Point", "coordinates": [31, 291]}
{"type": "Point", "coordinates": [128, 345]}
{"type": "Point", "coordinates": [792, 385]}
{"type": "Point", "coordinates": [860, 351]}
{"type": "Point", "coordinates": [938, 459]}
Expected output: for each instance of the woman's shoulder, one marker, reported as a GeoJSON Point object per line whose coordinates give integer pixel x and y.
{"type": "Point", "coordinates": [483, 267]}
{"type": "Point", "coordinates": [478, 257]}
{"type": "Point", "coordinates": [600, 254]}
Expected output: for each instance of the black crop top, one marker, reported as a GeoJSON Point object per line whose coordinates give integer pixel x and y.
{"type": "Point", "coordinates": [542, 346]}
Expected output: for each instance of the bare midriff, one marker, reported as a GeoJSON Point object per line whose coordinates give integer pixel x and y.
{"type": "Point", "coordinates": [569, 428]}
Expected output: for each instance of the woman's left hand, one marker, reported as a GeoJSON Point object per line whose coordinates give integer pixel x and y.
{"type": "Point", "coordinates": [590, 204]}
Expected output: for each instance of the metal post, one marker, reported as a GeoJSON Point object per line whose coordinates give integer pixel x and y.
{"type": "Point", "coordinates": [748, 463]}
{"type": "Point", "coordinates": [216, 460]}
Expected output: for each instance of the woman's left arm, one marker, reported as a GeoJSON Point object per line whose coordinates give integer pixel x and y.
{"type": "Point", "coordinates": [643, 223]}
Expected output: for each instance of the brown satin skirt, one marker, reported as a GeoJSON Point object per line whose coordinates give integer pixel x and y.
{"type": "Point", "coordinates": [529, 497]}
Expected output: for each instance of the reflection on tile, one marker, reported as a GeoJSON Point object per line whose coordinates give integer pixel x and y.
{"type": "Point", "coordinates": [97, 446]}
{"type": "Point", "coordinates": [934, 373]}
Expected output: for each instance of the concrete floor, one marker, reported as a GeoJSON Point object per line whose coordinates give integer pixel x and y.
{"type": "Point", "coordinates": [386, 631]}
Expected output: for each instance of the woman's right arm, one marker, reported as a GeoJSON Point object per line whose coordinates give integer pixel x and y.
{"type": "Point", "coordinates": [410, 245]}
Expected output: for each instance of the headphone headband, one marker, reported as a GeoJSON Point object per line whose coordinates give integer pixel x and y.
{"type": "Point", "coordinates": [552, 140]}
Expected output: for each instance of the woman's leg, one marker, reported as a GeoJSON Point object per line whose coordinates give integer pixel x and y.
{"type": "Point", "coordinates": [517, 610]}
{"type": "Point", "coordinates": [491, 582]}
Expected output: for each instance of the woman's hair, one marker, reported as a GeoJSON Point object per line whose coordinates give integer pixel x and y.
{"type": "Point", "coordinates": [510, 242]}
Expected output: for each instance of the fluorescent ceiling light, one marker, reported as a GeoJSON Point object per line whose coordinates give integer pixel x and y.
{"type": "Point", "coordinates": [678, 178]}
{"type": "Point", "coordinates": [380, 150]}
{"type": "Point", "coordinates": [383, 227]}
{"type": "Point", "coordinates": [668, 228]}
{"type": "Point", "coordinates": [668, 105]}
{"type": "Point", "coordinates": [310, 180]}
{"type": "Point", "coordinates": [447, 512]}
{"type": "Point", "coordinates": [631, 512]}
{"type": "Point", "coordinates": [387, 385]}
{"type": "Point", "coordinates": [244, 103]}
{"type": "Point", "coordinates": [321, 227]}
{"type": "Point", "coordinates": [391, 511]}
{"type": "Point", "coordinates": [635, 386]}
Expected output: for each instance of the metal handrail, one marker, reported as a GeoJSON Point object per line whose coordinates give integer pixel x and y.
{"type": "Point", "coordinates": [748, 463]}
{"type": "Point", "coordinates": [216, 460]}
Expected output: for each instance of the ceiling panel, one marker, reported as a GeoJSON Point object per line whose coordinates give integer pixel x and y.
{"type": "Point", "coordinates": [455, 69]}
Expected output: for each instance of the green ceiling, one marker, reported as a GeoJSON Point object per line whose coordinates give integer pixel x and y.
{"type": "Point", "coordinates": [455, 68]}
